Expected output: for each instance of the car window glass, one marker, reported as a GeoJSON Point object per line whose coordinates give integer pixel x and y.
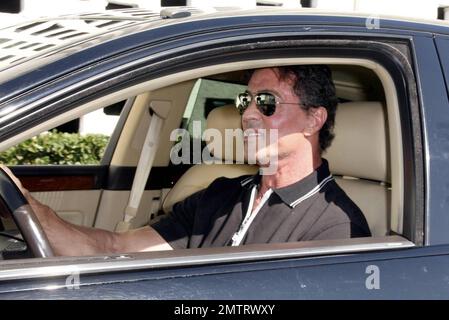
{"type": "Point", "coordinates": [207, 95]}
{"type": "Point", "coordinates": [81, 141]}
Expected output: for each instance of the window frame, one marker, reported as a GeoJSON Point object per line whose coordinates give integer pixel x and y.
{"type": "Point", "coordinates": [146, 76]}
{"type": "Point", "coordinates": [161, 260]}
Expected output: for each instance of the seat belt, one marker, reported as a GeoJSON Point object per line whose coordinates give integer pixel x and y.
{"type": "Point", "coordinates": [159, 111]}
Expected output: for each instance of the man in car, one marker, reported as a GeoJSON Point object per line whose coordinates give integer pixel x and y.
{"type": "Point", "coordinates": [299, 201]}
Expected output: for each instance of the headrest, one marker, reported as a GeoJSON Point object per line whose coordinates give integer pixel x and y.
{"type": "Point", "coordinates": [360, 147]}
{"type": "Point", "coordinates": [221, 118]}
{"type": "Point", "coordinates": [361, 139]}
{"type": "Point", "coordinates": [199, 177]}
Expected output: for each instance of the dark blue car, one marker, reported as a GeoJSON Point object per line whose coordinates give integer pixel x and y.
{"type": "Point", "coordinates": [390, 154]}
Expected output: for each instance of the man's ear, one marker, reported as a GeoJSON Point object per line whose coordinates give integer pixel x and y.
{"type": "Point", "coordinates": [316, 119]}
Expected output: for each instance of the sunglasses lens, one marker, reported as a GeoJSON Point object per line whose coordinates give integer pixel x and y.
{"type": "Point", "coordinates": [242, 102]}
{"type": "Point", "coordinates": [266, 103]}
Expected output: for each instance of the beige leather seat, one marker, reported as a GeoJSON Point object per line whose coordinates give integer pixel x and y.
{"type": "Point", "coordinates": [200, 176]}
{"type": "Point", "coordinates": [358, 157]}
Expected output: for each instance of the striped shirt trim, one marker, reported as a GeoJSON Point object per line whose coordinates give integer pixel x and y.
{"type": "Point", "coordinates": [244, 182]}
{"type": "Point", "coordinates": [312, 192]}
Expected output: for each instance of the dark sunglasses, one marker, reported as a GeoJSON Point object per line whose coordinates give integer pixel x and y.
{"type": "Point", "coordinates": [265, 102]}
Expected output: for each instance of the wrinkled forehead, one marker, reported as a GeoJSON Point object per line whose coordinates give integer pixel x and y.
{"type": "Point", "coordinates": [270, 80]}
{"type": "Point", "coordinates": [271, 73]}
{"type": "Point", "coordinates": [264, 72]}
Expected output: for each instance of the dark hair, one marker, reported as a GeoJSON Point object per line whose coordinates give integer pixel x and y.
{"type": "Point", "coordinates": [314, 86]}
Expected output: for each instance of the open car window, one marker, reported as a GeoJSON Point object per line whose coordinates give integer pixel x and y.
{"type": "Point", "coordinates": [360, 92]}
{"type": "Point", "coordinates": [58, 166]}
{"type": "Point", "coordinates": [364, 85]}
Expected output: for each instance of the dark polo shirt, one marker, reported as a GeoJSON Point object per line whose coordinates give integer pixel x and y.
{"type": "Point", "coordinates": [314, 208]}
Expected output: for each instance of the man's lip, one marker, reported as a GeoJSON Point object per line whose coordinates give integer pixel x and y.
{"type": "Point", "coordinates": [252, 132]}
{"type": "Point", "coordinates": [246, 136]}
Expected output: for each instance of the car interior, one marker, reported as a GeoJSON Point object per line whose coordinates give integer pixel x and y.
{"type": "Point", "coordinates": [365, 156]}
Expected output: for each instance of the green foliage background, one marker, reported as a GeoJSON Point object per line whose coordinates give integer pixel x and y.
{"type": "Point", "coordinates": [57, 148]}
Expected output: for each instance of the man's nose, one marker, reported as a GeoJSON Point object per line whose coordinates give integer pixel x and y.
{"type": "Point", "coordinates": [252, 112]}
{"type": "Point", "coordinates": [252, 118]}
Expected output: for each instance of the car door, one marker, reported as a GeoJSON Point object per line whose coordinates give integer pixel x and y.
{"type": "Point", "coordinates": [385, 267]}
{"type": "Point", "coordinates": [63, 165]}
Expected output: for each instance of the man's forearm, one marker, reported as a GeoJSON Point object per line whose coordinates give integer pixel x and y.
{"type": "Point", "coordinates": [71, 240]}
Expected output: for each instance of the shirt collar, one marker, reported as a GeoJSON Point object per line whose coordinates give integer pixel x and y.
{"type": "Point", "coordinates": [293, 194]}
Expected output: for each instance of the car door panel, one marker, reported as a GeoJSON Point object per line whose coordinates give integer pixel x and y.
{"type": "Point", "coordinates": [350, 276]}
{"type": "Point", "coordinates": [77, 206]}
{"type": "Point", "coordinates": [74, 192]}
{"type": "Point", "coordinates": [434, 104]}
{"type": "Point", "coordinates": [442, 44]}
{"type": "Point", "coordinates": [113, 204]}
{"type": "Point", "coordinates": [340, 276]}
{"type": "Point", "coordinates": [116, 193]}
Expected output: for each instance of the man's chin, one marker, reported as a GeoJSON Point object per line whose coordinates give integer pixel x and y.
{"type": "Point", "coordinates": [268, 163]}
{"type": "Point", "coordinates": [263, 158]}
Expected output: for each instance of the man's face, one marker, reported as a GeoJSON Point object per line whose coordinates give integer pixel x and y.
{"type": "Point", "coordinates": [290, 120]}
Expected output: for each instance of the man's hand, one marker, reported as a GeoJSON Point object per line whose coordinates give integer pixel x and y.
{"type": "Point", "coordinates": [42, 212]}
{"type": "Point", "coordinates": [33, 202]}
{"type": "Point", "coordinates": [25, 192]}
{"type": "Point", "coordinates": [4, 211]}
{"type": "Point", "coordinates": [71, 240]}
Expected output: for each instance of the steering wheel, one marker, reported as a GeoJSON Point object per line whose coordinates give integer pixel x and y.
{"type": "Point", "coordinates": [15, 204]}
